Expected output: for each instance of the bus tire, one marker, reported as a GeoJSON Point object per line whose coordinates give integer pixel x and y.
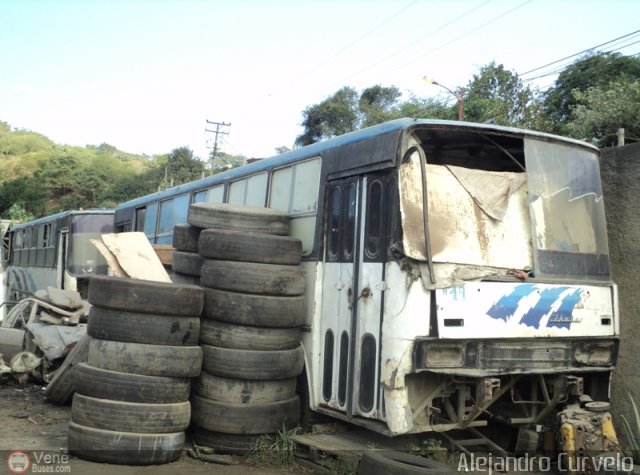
{"type": "Point", "coordinates": [185, 237]}
{"type": "Point", "coordinates": [244, 418]}
{"type": "Point", "coordinates": [249, 247]}
{"type": "Point", "coordinates": [252, 278]}
{"type": "Point", "coordinates": [130, 416]}
{"type": "Point", "coordinates": [242, 391]}
{"type": "Point", "coordinates": [150, 360]}
{"type": "Point", "coordinates": [399, 463]}
{"type": "Point", "coordinates": [118, 386]}
{"type": "Point", "coordinates": [252, 365]}
{"type": "Point", "coordinates": [187, 262]}
{"type": "Point", "coordinates": [239, 218]}
{"type": "Point", "coordinates": [178, 278]}
{"type": "Point", "coordinates": [232, 444]}
{"type": "Point", "coordinates": [241, 337]}
{"type": "Point", "coordinates": [254, 310]}
{"type": "Point", "coordinates": [145, 296]}
{"type": "Point", "coordinates": [124, 448]}
{"type": "Point", "coordinates": [61, 387]}
{"type": "Point", "coordinates": [133, 327]}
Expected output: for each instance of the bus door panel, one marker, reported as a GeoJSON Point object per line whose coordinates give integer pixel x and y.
{"type": "Point", "coordinates": [61, 278]}
{"type": "Point", "coordinates": [353, 287]}
{"type": "Point", "coordinates": [338, 291]}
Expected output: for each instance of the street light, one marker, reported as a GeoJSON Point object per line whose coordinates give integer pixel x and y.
{"type": "Point", "coordinates": [459, 97]}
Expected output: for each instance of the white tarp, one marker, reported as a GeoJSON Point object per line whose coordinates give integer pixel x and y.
{"type": "Point", "coordinates": [476, 218]}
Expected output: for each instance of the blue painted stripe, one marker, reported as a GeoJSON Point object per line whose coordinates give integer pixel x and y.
{"type": "Point", "coordinates": [507, 305]}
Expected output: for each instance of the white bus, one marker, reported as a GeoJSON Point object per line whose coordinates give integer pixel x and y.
{"type": "Point", "coordinates": [54, 251]}
{"type": "Point", "coordinates": [457, 273]}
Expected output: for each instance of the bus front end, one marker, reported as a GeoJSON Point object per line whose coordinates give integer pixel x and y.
{"type": "Point", "coordinates": [508, 319]}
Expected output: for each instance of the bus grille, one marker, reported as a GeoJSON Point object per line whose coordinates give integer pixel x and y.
{"type": "Point", "coordinates": [525, 355]}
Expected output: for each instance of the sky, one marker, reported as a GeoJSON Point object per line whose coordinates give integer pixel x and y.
{"type": "Point", "coordinates": [146, 75]}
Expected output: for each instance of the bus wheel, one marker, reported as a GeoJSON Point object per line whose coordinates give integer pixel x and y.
{"type": "Point", "coordinates": [399, 463]}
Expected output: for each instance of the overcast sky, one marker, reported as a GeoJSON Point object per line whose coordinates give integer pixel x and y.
{"type": "Point", "coordinates": [145, 76]}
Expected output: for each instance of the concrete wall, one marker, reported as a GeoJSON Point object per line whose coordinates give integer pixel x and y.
{"type": "Point", "coordinates": [620, 168]}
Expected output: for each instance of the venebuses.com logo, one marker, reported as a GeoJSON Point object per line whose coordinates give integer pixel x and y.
{"type": "Point", "coordinates": [18, 462]}
{"type": "Point", "coordinates": [39, 461]}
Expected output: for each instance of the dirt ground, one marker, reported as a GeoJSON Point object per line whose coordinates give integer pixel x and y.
{"type": "Point", "coordinates": [31, 424]}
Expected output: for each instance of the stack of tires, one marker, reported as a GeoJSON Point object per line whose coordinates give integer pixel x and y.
{"type": "Point", "coordinates": [251, 326]}
{"type": "Point", "coordinates": [131, 404]}
{"type": "Point", "coordinates": [186, 261]}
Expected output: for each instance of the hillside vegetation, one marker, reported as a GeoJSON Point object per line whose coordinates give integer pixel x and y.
{"type": "Point", "coordinates": [39, 177]}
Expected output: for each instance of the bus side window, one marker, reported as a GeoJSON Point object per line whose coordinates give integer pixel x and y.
{"type": "Point", "coordinates": [374, 231]}
{"type": "Point", "coordinates": [335, 224]}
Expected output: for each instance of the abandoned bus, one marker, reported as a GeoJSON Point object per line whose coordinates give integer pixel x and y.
{"type": "Point", "coordinates": [54, 251]}
{"type": "Point", "coordinates": [456, 272]}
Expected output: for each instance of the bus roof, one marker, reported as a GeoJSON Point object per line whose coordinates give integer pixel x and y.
{"type": "Point", "coordinates": [62, 214]}
{"type": "Point", "coordinates": [316, 149]}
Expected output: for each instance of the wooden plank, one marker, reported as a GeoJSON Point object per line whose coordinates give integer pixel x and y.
{"type": "Point", "coordinates": [164, 253]}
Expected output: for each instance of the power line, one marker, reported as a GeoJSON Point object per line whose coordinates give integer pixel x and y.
{"type": "Point", "coordinates": [562, 68]}
{"type": "Point", "coordinates": [463, 35]}
{"type": "Point", "coordinates": [356, 41]}
{"type": "Point", "coordinates": [576, 54]}
{"type": "Point", "coordinates": [431, 33]}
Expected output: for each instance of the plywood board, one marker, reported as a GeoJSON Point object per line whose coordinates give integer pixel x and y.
{"type": "Point", "coordinates": [136, 256]}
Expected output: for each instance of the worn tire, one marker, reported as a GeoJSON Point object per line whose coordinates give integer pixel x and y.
{"type": "Point", "coordinates": [240, 337]}
{"type": "Point", "coordinates": [130, 416]}
{"type": "Point", "coordinates": [252, 365]}
{"type": "Point", "coordinates": [244, 418]}
{"type": "Point", "coordinates": [150, 360]}
{"type": "Point", "coordinates": [144, 296]}
{"type": "Point", "coordinates": [254, 310]}
{"type": "Point", "coordinates": [242, 391]}
{"type": "Point", "coordinates": [134, 327]}
{"type": "Point", "coordinates": [178, 278]}
{"type": "Point", "coordinates": [187, 262]}
{"type": "Point", "coordinates": [61, 387]}
{"type": "Point", "coordinates": [239, 218]}
{"type": "Point", "coordinates": [124, 448]}
{"type": "Point", "coordinates": [251, 278]}
{"type": "Point", "coordinates": [119, 386]}
{"type": "Point", "coordinates": [185, 237]}
{"type": "Point", "coordinates": [389, 461]}
{"type": "Point", "coordinates": [249, 247]}
{"type": "Point", "coordinates": [232, 444]}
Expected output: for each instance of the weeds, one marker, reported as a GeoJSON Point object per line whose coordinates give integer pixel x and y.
{"type": "Point", "coordinates": [275, 451]}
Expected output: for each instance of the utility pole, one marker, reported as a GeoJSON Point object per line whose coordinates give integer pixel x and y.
{"type": "Point", "coordinates": [217, 132]}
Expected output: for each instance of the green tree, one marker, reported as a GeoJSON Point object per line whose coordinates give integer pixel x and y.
{"type": "Point", "coordinates": [27, 193]}
{"type": "Point", "coordinates": [601, 111]}
{"type": "Point", "coordinates": [590, 71]}
{"type": "Point", "coordinates": [181, 167]}
{"type": "Point", "coordinates": [334, 116]}
{"type": "Point", "coordinates": [377, 104]}
{"type": "Point", "coordinates": [496, 94]}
